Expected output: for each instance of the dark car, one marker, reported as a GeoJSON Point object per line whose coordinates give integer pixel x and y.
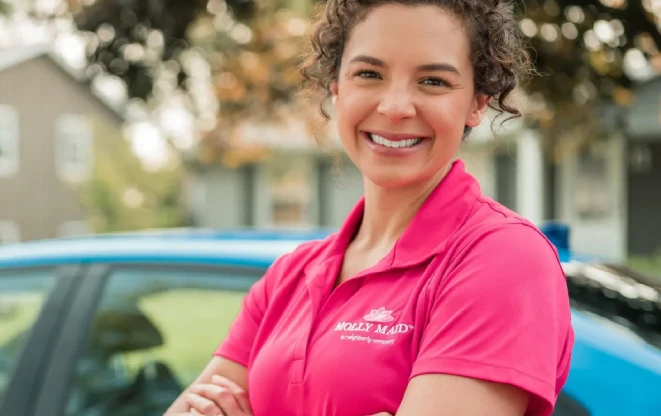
{"type": "Point", "coordinates": [119, 325]}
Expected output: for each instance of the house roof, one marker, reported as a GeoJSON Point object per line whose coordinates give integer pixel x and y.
{"type": "Point", "coordinates": [14, 56]}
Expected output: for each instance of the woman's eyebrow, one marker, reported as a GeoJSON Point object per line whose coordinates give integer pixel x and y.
{"type": "Point", "coordinates": [435, 66]}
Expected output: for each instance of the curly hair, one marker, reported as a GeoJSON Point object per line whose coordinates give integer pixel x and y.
{"type": "Point", "coordinates": [497, 47]}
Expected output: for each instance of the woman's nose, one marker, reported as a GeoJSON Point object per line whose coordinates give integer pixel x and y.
{"type": "Point", "coordinates": [397, 104]}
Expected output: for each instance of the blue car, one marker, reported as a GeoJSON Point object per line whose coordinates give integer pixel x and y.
{"type": "Point", "coordinates": [118, 325]}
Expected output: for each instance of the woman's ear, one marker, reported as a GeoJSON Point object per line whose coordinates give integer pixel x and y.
{"type": "Point", "coordinates": [333, 91]}
{"type": "Point", "coordinates": [477, 111]}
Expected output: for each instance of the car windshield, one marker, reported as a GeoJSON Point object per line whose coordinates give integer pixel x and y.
{"type": "Point", "coordinates": [619, 294]}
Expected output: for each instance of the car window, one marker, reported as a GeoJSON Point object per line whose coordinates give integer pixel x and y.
{"type": "Point", "coordinates": [154, 331]}
{"type": "Point", "coordinates": [22, 295]}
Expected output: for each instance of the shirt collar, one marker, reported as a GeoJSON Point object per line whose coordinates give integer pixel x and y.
{"type": "Point", "coordinates": [442, 214]}
{"type": "Point", "coordinates": [444, 211]}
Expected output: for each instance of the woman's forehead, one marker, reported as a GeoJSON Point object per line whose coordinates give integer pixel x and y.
{"type": "Point", "coordinates": [420, 35]}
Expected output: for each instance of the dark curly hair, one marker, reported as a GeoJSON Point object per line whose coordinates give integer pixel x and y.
{"type": "Point", "coordinates": [497, 47]}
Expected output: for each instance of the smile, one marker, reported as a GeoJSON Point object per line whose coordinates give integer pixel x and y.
{"type": "Point", "coordinates": [394, 143]}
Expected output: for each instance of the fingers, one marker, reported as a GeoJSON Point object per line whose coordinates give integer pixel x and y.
{"type": "Point", "coordinates": [202, 406]}
{"type": "Point", "coordinates": [213, 400]}
{"type": "Point", "coordinates": [382, 414]}
{"type": "Point", "coordinates": [240, 395]}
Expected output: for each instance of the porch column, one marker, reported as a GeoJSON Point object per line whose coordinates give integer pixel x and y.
{"type": "Point", "coordinates": [530, 177]}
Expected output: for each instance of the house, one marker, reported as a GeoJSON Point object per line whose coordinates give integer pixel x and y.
{"type": "Point", "coordinates": [610, 191]}
{"type": "Point", "coordinates": [48, 119]}
{"type": "Point", "coordinates": [295, 187]}
{"type": "Point", "coordinates": [590, 194]}
{"type": "Point", "coordinates": [641, 161]}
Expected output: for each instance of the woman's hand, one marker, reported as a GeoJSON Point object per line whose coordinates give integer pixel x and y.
{"type": "Point", "coordinates": [222, 397]}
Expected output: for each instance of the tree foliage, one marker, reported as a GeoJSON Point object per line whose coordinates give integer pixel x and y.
{"type": "Point", "coordinates": [5, 8]}
{"type": "Point", "coordinates": [157, 26]}
{"type": "Point", "coordinates": [579, 48]}
{"type": "Point", "coordinates": [123, 195]}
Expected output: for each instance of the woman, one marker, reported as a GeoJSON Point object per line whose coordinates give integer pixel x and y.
{"type": "Point", "coordinates": [432, 299]}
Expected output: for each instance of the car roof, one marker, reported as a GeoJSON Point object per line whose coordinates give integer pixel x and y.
{"type": "Point", "coordinates": [623, 360]}
{"type": "Point", "coordinates": [241, 247]}
{"type": "Point", "coordinates": [237, 247]}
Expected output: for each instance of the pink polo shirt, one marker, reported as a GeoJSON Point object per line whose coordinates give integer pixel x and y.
{"type": "Point", "coordinates": [469, 289]}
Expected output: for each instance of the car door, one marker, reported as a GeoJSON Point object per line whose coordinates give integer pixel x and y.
{"type": "Point", "coordinates": [138, 335]}
{"type": "Point", "coordinates": [33, 303]}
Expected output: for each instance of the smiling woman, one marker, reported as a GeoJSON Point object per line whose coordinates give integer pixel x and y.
{"type": "Point", "coordinates": [432, 298]}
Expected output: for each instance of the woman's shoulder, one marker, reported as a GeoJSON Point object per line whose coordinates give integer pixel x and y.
{"type": "Point", "coordinates": [492, 225]}
{"type": "Point", "coordinates": [497, 247]}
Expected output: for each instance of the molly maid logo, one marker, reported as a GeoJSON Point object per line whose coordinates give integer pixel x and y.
{"type": "Point", "coordinates": [379, 315]}
{"type": "Point", "coordinates": [376, 323]}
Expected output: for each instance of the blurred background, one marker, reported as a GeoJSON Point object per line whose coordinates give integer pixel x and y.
{"type": "Point", "coordinates": [129, 115]}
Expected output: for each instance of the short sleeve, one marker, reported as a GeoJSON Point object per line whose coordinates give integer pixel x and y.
{"type": "Point", "coordinates": [501, 314]}
{"type": "Point", "coordinates": [237, 345]}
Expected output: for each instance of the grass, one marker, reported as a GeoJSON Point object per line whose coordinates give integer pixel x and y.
{"type": "Point", "coordinates": [193, 323]}
{"type": "Point", "coordinates": [16, 319]}
{"type": "Point", "coordinates": [21, 314]}
{"type": "Point", "coordinates": [648, 265]}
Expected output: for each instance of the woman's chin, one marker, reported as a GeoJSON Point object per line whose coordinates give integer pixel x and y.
{"type": "Point", "coordinates": [393, 179]}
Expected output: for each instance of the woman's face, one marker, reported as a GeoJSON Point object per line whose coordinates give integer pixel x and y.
{"type": "Point", "coordinates": [404, 94]}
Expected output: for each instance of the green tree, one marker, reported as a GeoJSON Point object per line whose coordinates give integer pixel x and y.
{"type": "Point", "coordinates": [123, 195]}
{"type": "Point", "coordinates": [564, 36]}
{"type": "Point", "coordinates": [155, 31]}
{"type": "Point", "coordinates": [580, 48]}
{"type": "Point", "coordinates": [5, 8]}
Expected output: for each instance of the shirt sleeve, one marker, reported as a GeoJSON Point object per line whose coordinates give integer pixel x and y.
{"type": "Point", "coordinates": [501, 314]}
{"type": "Point", "coordinates": [237, 345]}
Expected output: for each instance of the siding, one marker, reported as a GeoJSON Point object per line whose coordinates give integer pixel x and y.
{"type": "Point", "coordinates": [35, 198]}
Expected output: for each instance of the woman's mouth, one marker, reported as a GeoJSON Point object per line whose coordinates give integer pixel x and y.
{"type": "Point", "coordinates": [395, 144]}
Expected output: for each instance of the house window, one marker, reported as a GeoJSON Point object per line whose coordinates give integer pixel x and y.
{"type": "Point", "coordinates": [290, 189]}
{"type": "Point", "coordinates": [9, 232]}
{"type": "Point", "coordinates": [592, 196]}
{"type": "Point", "coordinates": [9, 157]}
{"type": "Point", "coordinates": [74, 152]}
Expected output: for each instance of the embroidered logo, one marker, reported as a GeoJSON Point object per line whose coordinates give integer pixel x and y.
{"type": "Point", "coordinates": [379, 315]}
{"type": "Point", "coordinates": [377, 329]}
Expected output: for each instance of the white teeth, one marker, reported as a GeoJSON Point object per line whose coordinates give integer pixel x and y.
{"type": "Point", "coordinates": [395, 144]}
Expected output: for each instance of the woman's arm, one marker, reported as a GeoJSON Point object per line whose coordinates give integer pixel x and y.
{"type": "Point", "coordinates": [217, 366]}
{"type": "Point", "coordinates": [441, 394]}
{"type": "Point", "coordinates": [499, 331]}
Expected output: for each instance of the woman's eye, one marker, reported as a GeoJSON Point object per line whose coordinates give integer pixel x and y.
{"type": "Point", "coordinates": [435, 82]}
{"type": "Point", "coordinates": [367, 74]}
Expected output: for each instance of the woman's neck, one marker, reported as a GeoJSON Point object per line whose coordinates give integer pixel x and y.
{"type": "Point", "coordinates": [389, 211]}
